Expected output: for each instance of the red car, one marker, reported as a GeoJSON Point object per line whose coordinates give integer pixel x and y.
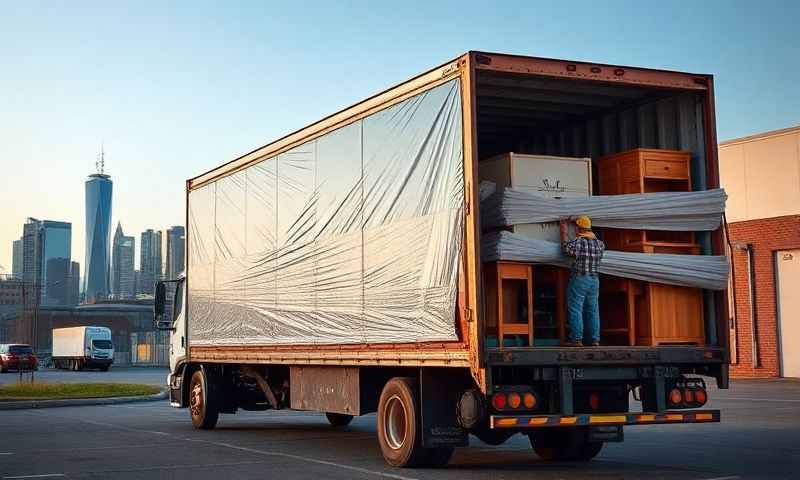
{"type": "Point", "coordinates": [15, 356]}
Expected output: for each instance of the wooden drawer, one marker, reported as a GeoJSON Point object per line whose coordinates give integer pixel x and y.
{"type": "Point", "coordinates": [666, 168]}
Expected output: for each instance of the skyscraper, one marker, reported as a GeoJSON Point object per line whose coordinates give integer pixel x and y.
{"type": "Point", "coordinates": [74, 283]}
{"type": "Point", "coordinates": [98, 233]}
{"type": "Point", "coordinates": [55, 242]}
{"type": "Point", "coordinates": [16, 259]}
{"type": "Point", "coordinates": [176, 238]}
{"type": "Point", "coordinates": [31, 254]}
{"type": "Point", "coordinates": [122, 279]}
{"type": "Point", "coordinates": [149, 260]}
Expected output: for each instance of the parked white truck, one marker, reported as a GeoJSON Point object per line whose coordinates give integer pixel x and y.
{"type": "Point", "coordinates": [76, 348]}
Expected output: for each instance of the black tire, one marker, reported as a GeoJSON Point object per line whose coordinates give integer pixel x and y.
{"type": "Point", "coordinates": [399, 432]}
{"type": "Point", "coordinates": [105, 368]}
{"type": "Point", "coordinates": [493, 437]}
{"type": "Point", "coordinates": [3, 368]}
{"type": "Point", "coordinates": [565, 444]}
{"type": "Point", "coordinates": [338, 419]}
{"type": "Point", "coordinates": [203, 404]}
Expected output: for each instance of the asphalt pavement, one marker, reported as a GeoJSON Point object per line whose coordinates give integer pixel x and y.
{"type": "Point", "coordinates": [143, 375]}
{"type": "Point", "coordinates": [759, 437]}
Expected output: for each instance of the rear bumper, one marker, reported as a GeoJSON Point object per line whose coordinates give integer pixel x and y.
{"type": "Point", "coordinates": [603, 356]}
{"type": "Point", "coordinates": [587, 419]}
{"type": "Point", "coordinates": [21, 364]}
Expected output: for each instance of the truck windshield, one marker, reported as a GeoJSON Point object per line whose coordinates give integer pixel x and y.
{"type": "Point", "coordinates": [104, 344]}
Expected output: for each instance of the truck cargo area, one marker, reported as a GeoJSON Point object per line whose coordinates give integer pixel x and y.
{"type": "Point", "coordinates": [568, 118]}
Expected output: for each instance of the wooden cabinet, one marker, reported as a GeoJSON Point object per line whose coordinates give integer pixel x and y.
{"type": "Point", "coordinates": [648, 313]}
{"type": "Point", "coordinates": [642, 171]}
{"type": "Point", "coordinates": [525, 304]}
{"type": "Point", "coordinates": [508, 289]}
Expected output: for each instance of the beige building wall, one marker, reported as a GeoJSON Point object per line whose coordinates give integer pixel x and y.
{"type": "Point", "coordinates": [761, 175]}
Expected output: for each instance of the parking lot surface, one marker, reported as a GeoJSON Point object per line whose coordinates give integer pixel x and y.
{"type": "Point", "coordinates": [759, 437]}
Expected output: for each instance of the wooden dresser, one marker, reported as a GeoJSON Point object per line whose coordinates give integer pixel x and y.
{"type": "Point", "coordinates": [650, 313]}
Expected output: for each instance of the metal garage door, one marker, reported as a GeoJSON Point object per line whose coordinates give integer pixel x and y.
{"type": "Point", "coordinates": [788, 286]}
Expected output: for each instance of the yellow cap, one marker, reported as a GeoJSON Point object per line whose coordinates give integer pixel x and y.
{"type": "Point", "coordinates": [584, 222]}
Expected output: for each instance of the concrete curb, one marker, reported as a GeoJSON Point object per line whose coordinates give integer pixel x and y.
{"type": "Point", "coordinates": [77, 402]}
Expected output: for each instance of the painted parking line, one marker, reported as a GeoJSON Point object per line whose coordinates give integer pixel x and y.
{"type": "Point", "coordinates": [44, 475]}
{"type": "Point", "coordinates": [308, 460]}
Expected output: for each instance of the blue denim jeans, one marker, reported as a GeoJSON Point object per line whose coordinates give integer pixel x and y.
{"type": "Point", "coordinates": [582, 307]}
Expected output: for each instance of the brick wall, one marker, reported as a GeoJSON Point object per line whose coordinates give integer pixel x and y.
{"type": "Point", "coordinates": [766, 236]}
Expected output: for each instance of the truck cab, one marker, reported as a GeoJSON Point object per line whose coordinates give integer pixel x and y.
{"type": "Point", "coordinates": [172, 293]}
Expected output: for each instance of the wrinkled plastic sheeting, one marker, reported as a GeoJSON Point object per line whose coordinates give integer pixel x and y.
{"type": "Point", "coordinates": [676, 211]}
{"type": "Point", "coordinates": [700, 271]}
{"type": "Point", "coordinates": [354, 237]}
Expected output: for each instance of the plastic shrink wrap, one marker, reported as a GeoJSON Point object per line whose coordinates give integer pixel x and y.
{"type": "Point", "coordinates": [677, 211]}
{"type": "Point", "coordinates": [352, 237]}
{"type": "Point", "coordinates": [701, 271]}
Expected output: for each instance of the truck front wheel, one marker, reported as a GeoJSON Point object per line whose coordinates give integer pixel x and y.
{"type": "Point", "coordinates": [203, 405]}
{"type": "Point", "coordinates": [564, 444]}
{"type": "Point", "coordinates": [399, 432]}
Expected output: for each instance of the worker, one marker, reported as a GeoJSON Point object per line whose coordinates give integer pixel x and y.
{"type": "Point", "coordinates": [584, 284]}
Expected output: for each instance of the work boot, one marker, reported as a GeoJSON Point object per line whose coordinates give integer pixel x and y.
{"type": "Point", "coordinates": [596, 344]}
{"type": "Point", "coordinates": [573, 343]}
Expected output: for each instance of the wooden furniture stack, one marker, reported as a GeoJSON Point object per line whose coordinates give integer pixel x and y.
{"type": "Point", "coordinates": [544, 176]}
{"type": "Point", "coordinates": [653, 314]}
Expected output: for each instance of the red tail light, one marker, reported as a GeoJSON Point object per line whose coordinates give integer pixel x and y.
{"type": "Point", "coordinates": [688, 396]}
{"type": "Point", "coordinates": [499, 401]}
{"type": "Point", "coordinates": [514, 400]}
{"type": "Point", "coordinates": [675, 397]}
{"type": "Point", "coordinates": [700, 397]}
{"type": "Point", "coordinates": [594, 401]}
{"type": "Point", "coordinates": [529, 400]}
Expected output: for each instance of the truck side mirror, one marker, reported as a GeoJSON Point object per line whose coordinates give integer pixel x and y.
{"type": "Point", "coordinates": [160, 299]}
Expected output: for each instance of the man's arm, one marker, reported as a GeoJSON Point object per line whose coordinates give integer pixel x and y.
{"type": "Point", "coordinates": [567, 246]}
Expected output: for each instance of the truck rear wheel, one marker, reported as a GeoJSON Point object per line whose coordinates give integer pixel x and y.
{"type": "Point", "coordinates": [399, 432]}
{"type": "Point", "coordinates": [339, 419]}
{"type": "Point", "coordinates": [203, 406]}
{"type": "Point", "coordinates": [564, 444]}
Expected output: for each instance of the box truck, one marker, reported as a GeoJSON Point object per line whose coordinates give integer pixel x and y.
{"type": "Point", "coordinates": [76, 348]}
{"type": "Point", "coordinates": [338, 268]}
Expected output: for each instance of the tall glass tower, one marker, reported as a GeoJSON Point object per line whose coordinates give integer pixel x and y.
{"type": "Point", "coordinates": [55, 241]}
{"type": "Point", "coordinates": [98, 237]}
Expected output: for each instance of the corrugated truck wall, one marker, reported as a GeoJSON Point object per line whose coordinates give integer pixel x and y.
{"type": "Point", "coordinates": [675, 122]}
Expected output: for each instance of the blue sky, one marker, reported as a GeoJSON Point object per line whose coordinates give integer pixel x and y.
{"type": "Point", "coordinates": [174, 90]}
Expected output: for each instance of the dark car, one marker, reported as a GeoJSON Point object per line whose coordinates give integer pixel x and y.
{"type": "Point", "coordinates": [17, 356]}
